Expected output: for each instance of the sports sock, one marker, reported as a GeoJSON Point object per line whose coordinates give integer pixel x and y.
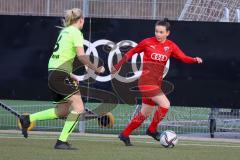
{"type": "Point", "coordinates": [69, 125]}
{"type": "Point", "coordinates": [44, 115]}
{"type": "Point", "coordinates": [135, 123]}
{"type": "Point", "coordinates": [157, 118]}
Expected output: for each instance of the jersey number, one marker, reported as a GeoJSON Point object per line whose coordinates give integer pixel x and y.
{"type": "Point", "coordinates": [56, 47]}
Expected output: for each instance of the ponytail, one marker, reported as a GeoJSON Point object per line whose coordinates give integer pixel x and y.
{"type": "Point", "coordinates": [72, 16]}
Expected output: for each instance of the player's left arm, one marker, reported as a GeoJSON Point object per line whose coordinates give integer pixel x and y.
{"type": "Point", "coordinates": [179, 54]}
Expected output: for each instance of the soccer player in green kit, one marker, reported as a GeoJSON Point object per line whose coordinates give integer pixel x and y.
{"type": "Point", "coordinates": [61, 81]}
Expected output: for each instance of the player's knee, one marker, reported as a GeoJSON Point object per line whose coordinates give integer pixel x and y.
{"type": "Point", "coordinates": [167, 104]}
{"type": "Point", "coordinates": [79, 109]}
{"type": "Point", "coordinates": [62, 110]}
{"type": "Point", "coordinates": [146, 114]}
{"type": "Point", "coordinates": [62, 114]}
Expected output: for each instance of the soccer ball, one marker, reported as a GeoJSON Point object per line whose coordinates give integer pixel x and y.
{"type": "Point", "coordinates": [168, 139]}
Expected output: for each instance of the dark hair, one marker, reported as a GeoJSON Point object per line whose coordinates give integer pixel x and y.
{"type": "Point", "coordinates": [164, 23]}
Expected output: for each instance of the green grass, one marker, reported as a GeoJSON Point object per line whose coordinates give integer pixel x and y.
{"type": "Point", "coordinates": [38, 147]}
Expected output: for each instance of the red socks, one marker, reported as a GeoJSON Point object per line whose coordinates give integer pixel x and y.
{"type": "Point", "coordinates": [139, 118]}
{"type": "Point", "coordinates": [135, 123]}
{"type": "Point", "coordinates": [157, 118]}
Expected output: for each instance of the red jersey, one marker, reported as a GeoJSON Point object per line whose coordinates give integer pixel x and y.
{"type": "Point", "coordinates": [156, 55]}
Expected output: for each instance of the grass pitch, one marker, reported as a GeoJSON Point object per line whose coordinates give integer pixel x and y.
{"type": "Point", "coordinates": [39, 147]}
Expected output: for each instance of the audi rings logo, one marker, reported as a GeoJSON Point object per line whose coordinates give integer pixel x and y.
{"type": "Point", "coordinates": [159, 57]}
{"type": "Point", "coordinates": [114, 49]}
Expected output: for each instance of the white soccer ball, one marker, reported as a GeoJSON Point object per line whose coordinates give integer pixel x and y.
{"type": "Point", "coordinates": [168, 139]}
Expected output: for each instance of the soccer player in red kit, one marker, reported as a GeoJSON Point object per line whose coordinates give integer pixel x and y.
{"type": "Point", "coordinates": [157, 50]}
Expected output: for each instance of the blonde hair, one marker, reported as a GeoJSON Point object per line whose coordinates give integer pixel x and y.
{"type": "Point", "coordinates": [72, 16]}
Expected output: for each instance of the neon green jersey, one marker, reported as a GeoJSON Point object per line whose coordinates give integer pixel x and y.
{"type": "Point", "coordinates": [65, 49]}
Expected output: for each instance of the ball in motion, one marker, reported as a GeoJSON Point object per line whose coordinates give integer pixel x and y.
{"type": "Point", "coordinates": [168, 139]}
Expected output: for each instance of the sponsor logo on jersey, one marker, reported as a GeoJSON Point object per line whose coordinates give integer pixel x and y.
{"type": "Point", "coordinates": [166, 48]}
{"type": "Point", "coordinates": [159, 57]}
{"type": "Point", "coordinates": [152, 46]}
{"type": "Point", "coordinates": [55, 56]}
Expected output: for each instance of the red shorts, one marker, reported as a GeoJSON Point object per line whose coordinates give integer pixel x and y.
{"type": "Point", "coordinates": [149, 91]}
{"type": "Point", "coordinates": [148, 101]}
{"type": "Point", "coordinates": [149, 86]}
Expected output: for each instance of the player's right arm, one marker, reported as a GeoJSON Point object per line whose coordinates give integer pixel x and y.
{"type": "Point", "coordinates": [84, 59]}
{"type": "Point", "coordinates": [137, 49]}
{"type": "Point", "coordinates": [78, 43]}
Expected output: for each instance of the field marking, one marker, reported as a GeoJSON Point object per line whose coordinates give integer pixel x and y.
{"type": "Point", "coordinates": [92, 139]}
{"type": "Point", "coordinates": [180, 137]}
{"type": "Point", "coordinates": [209, 145]}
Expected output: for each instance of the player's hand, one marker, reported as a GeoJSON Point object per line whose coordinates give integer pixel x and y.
{"type": "Point", "coordinates": [74, 78]}
{"type": "Point", "coordinates": [100, 69]}
{"type": "Point", "coordinates": [113, 70]}
{"type": "Point", "coordinates": [199, 60]}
